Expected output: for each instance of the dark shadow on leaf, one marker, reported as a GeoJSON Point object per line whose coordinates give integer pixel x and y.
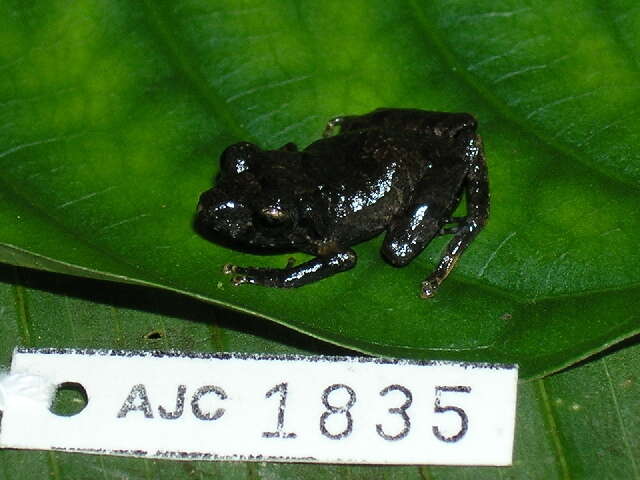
{"type": "Point", "coordinates": [163, 303]}
{"type": "Point", "coordinates": [627, 343]}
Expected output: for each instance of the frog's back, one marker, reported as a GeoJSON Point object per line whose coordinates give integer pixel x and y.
{"type": "Point", "coordinates": [364, 179]}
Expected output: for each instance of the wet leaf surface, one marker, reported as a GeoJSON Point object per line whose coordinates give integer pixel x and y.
{"type": "Point", "coordinates": [114, 113]}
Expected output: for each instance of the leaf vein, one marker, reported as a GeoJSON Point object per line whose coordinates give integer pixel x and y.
{"type": "Point", "coordinates": [123, 222]}
{"type": "Point", "coordinates": [269, 86]}
{"type": "Point", "coordinates": [22, 316]}
{"type": "Point", "coordinates": [496, 14]}
{"type": "Point", "coordinates": [522, 71]}
{"type": "Point", "coordinates": [17, 148]}
{"type": "Point", "coordinates": [54, 465]}
{"type": "Point", "coordinates": [495, 252]}
{"type": "Point", "coordinates": [559, 101]}
{"type": "Point", "coordinates": [85, 197]}
{"type": "Point", "coordinates": [621, 423]}
{"type": "Point", "coordinates": [552, 428]}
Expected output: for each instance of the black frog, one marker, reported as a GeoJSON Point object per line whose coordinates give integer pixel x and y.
{"type": "Point", "coordinates": [399, 171]}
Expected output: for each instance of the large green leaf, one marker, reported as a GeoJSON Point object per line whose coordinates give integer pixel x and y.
{"type": "Point", "coordinates": [579, 424]}
{"type": "Point", "coordinates": [113, 115]}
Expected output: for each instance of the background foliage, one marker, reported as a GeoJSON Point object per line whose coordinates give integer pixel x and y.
{"type": "Point", "coordinates": [581, 423]}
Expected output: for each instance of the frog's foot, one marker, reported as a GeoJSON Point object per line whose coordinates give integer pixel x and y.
{"type": "Point", "coordinates": [239, 280]}
{"type": "Point", "coordinates": [230, 269]}
{"type": "Point", "coordinates": [428, 288]}
{"type": "Point", "coordinates": [239, 275]}
{"type": "Point", "coordinates": [331, 127]}
{"type": "Point", "coordinates": [292, 276]}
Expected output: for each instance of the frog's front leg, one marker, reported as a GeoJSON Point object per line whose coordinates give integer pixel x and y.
{"type": "Point", "coordinates": [410, 233]}
{"type": "Point", "coordinates": [294, 276]}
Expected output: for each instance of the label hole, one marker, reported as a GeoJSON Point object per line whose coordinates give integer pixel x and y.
{"type": "Point", "coordinates": [70, 399]}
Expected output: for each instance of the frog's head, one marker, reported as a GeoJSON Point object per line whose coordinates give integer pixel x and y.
{"type": "Point", "coordinates": [253, 203]}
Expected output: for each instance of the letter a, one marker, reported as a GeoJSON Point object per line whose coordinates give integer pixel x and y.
{"type": "Point", "coordinates": [137, 400]}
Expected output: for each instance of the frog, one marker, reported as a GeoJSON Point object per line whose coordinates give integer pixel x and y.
{"type": "Point", "coordinates": [398, 171]}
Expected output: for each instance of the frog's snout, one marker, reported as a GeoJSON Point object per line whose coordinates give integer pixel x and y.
{"type": "Point", "coordinates": [216, 212]}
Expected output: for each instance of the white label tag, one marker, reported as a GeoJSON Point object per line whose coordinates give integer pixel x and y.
{"type": "Point", "coordinates": [269, 408]}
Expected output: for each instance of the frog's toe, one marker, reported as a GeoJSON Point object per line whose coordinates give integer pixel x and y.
{"type": "Point", "coordinates": [239, 280]}
{"type": "Point", "coordinates": [428, 289]}
{"type": "Point", "coordinates": [290, 262]}
{"type": "Point", "coordinates": [229, 268]}
{"type": "Point", "coordinates": [332, 126]}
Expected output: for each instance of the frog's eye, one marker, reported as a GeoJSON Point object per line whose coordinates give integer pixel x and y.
{"type": "Point", "coordinates": [239, 157]}
{"type": "Point", "coordinates": [274, 215]}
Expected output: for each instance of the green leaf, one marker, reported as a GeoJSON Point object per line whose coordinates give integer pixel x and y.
{"type": "Point", "coordinates": [114, 113]}
{"type": "Point", "coordinates": [579, 424]}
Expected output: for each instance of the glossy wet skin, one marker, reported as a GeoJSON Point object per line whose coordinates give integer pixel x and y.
{"type": "Point", "coordinates": [397, 171]}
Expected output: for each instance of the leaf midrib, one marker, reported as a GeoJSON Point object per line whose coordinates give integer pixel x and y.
{"type": "Point", "coordinates": [175, 50]}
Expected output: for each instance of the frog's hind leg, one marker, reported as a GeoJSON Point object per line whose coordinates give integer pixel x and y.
{"type": "Point", "coordinates": [430, 216]}
{"type": "Point", "coordinates": [477, 192]}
